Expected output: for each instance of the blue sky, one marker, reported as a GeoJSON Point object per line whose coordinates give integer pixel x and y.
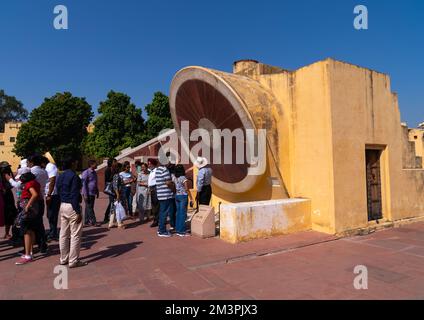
{"type": "Point", "coordinates": [136, 46]}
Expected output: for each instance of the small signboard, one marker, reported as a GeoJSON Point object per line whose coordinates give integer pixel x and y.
{"type": "Point", "coordinates": [203, 222]}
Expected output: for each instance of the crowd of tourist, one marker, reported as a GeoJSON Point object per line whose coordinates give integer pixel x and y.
{"type": "Point", "coordinates": [149, 192]}
{"type": "Point", "coordinates": [154, 192]}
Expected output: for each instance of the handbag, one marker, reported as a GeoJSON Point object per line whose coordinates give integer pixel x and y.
{"type": "Point", "coordinates": [120, 211]}
{"type": "Point", "coordinates": [109, 189]}
{"type": "Point", "coordinates": [28, 216]}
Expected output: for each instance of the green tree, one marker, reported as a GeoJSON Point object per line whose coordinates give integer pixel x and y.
{"type": "Point", "coordinates": [58, 125]}
{"type": "Point", "coordinates": [120, 125]}
{"type": "Point", "coordinates": [11, 109]}
{"type": "Point", "coordinates": [159, 116]}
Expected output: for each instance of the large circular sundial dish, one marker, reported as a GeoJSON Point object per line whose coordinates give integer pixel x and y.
{"type": "Point", "coordinates": [204, 99]}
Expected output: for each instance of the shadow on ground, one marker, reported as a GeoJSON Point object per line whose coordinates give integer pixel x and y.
{"type": "Point", "coordinates": [112, 251]}
{"type": "Point", "coordinates": [89, 239]}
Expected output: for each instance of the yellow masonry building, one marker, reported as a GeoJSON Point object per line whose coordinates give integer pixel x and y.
{"type": "Point", "coordinates": [338, 158]}
{"type": "Point", "coordinates": [7, 142]}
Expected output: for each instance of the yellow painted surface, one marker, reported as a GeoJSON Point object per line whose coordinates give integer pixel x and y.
{"type": "Point", "coordinates": [261, 219]}
{"type": "Point", "coordinates": [324, 116]}
{"type": "Point", "coordinates": [263, 190]}
{"type": "Point", "coordinates": [7, 143]}
{"type": "Point", "coordinates": [365, 113]}
{"type": "Point", "coordinates": [417, 137]}
{"type": "Point", "coordinates": [304, 129]}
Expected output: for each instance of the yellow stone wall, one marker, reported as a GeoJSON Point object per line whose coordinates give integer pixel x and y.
{"type": "Point", "coordinates": [305, 135]}
{"type": "Point", "coordinates": [332, 112]}
{"type": "Point", "coordinates": [365, 112]}
{"type": "Point", "coordinates": [417, 136]}
{"type": "Point", "coordinates": [7, 142]}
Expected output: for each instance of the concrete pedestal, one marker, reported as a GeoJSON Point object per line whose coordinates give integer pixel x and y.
{"type": "Point", "coordinates": [261, 219]}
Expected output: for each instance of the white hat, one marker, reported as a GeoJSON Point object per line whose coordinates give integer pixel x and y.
{"type": "Point", "coordinates": [24, 163]}
{"type": "Point", "coordinates": [201, 162]}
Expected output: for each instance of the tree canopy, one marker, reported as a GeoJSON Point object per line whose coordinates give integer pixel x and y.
{"type": "Point", "coordinates": [159, 116]}
{"type": "Point", "coordinates": [58, 125]}
{"type": "Point", "coordinates": [10, 110]}
{"type": "Point", "coordinates": [120, 125]}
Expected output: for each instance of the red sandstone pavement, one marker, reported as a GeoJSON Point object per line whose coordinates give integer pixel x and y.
{"type": "Point", "coordinates": [136, 264]}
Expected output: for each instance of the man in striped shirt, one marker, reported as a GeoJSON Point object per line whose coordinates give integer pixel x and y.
{"type": "Point", "coordinates": [165, 193]}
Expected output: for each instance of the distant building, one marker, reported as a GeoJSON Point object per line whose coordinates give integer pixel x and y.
{"type": "Point", "coordinates": [7, 143]}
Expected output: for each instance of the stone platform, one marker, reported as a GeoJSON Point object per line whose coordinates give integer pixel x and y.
{"type": "Point", "coordinates": [262, 219]}
{"type": "Point", "coordinates": [136, 264]}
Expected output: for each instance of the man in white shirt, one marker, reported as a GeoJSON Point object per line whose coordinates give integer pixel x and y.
{"type": "Point", "coordinates": [152, 178]}
{"type": "Point", "coordinates": [34, 163]}
{"type": "Point", "coordinates": [152, 165]}
{"type": "Point", "coordinates": [52, 198]}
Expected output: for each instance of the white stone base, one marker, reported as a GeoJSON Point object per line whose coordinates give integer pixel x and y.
{"type": "Point", "coordinates": [262, 219]}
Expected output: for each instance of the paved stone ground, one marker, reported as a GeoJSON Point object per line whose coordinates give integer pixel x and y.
{"type": "Point", "coordinates": [136, 264]}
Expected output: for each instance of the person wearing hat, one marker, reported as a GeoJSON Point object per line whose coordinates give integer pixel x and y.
{"type": "Point", "coordinates": [16, 183]}
{"type": "Point", "coordinates": [23, 168]}
{"type": "Point", "coordinates": [9, 209]}
{"type": "Point", "coordinates": [203, 183]}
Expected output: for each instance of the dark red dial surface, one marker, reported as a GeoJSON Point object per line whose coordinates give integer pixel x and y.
{"type": "Point", "coordinates": [196, 101]}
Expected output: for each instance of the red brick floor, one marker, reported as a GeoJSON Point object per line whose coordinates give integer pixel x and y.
{"type": "Point", "coordinates": [136, 264]}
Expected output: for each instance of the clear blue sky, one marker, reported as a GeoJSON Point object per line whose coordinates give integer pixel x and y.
{"type": "Point", "coordinates": [136, 46]}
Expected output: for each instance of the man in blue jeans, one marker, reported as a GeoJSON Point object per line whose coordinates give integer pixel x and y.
{"type": "Point", "coordinates": [165, 195]}
{"type": "Point", "coordinates": [181, 200]}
